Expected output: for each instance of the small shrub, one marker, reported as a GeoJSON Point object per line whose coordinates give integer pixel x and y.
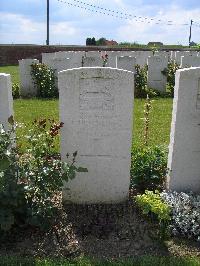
{"type": "Point", "coordinates": [15, 90]}
{"type": "Point", "coordinates": [30, 180]}
{"type": "Point", "coordinates": [140, 81]}
{"type": "Point", "coordinates": [148, 168]}
{"type": "Point", "coordinates": [152, 204]}
{"type": "Point", "coordinates": [45, 81]}
{"type": "Point", "coordinates": [170, 73]}
{"type": "Point", "coordinates": [185, 213]}
{"type": "Point", "coordinates": [141, 89]}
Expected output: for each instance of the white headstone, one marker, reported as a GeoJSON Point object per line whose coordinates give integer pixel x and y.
{"type": "Point", "coordinates": [156, 79]}
{"type": "Point", "coordinates": [46, 57]}
{"type": "Point", "coordinates": [96, 106]}
{"type": "Point", "coordinates": [141, 57]}
{"type": "Point", "coordinates": [190, 61]}
{"type": "Point", "coordinates": [6, 99]}
{"type": "Point", "coordinates": [184, 149]}
{"type": "Point", "coordinates": [126, 63]}
{"type": "Point", "coordinates": [27, 87]}
{"type": "Point", "coordinates": [178, 55]}
{"type": "Point", "coordinates": [92, 62]}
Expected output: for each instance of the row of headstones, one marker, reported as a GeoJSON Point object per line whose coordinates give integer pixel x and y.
{"type": "Point", "coordinates": [96, 105]}
{"type": "Point", "coordinates": [67, 60]}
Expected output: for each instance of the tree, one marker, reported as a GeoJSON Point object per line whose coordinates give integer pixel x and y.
{"type": "Point", "coordinates": [101, 41]}
{"type": "Point", "coordinates": [93, 41]}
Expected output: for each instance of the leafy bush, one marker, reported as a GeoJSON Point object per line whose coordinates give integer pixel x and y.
{"type": "Point", "coordinates": [141, 89]}
{"type": "Point", "coordinates": [15, 90]}
{"type": "Point", "coordinates": [45, 81]}
{"type": "Point", "coordinates": [152, 204]}
{"type": "Point", "coordinates": [29, 181]}
{"type": "Point", "coordinates": [185, 213]}
{"type": "Point", "coordinates": [148, 168]}
{"type": "Point", "coordinates": [140, 81]}
{"type": "Point", "coordinates": [170, 73]}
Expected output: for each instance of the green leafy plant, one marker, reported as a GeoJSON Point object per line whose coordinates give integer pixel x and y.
{"type": "Point", "coordinates": [140, 81]}
{"type": "Point", "coordinates": [141, 89]}
{"type": "Point", "coordinates": [148, 168]}
{"type": "Point", "coordinates": [15, 90]}
{"type": "Point", "coordinates": [45, 81]}
{"type": "Point", "coordinates": [170, 73]}
{"type": "Point", "coordinates": [153, 205]}
{"type": "Point", "coordinates": [30, 181]}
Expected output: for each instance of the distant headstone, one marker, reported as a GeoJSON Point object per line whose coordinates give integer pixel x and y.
{"type": "Point", "coordinates": [156, 78]}
{"type": "Point", "coordinates": [46, 57]}
{"type": "Point", "coordinates": [27, 87]}
{"type": "Point", "coordinates": [6, 99]}
{"type": "Point", "coordinates": [126, 63]}
{"type": "Point", "coordinates": [184, 149]}
{"type": "Point", "coordinates": [190, 61]}
{"type": "Point", "coordinates": [92, 62]}
{"type": "Point", "coordinates": [96, 106]}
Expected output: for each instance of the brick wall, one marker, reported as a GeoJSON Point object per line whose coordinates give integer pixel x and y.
{"type": "Point", "coordinates": [10, 54]}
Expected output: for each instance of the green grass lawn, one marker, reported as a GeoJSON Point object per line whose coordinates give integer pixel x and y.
{"type": "Point", "coordinates": [141, 261]}
{"type": "Point", "coordinates": [160, 118]}
{"type": "Point", "coordinates": [13, 70]}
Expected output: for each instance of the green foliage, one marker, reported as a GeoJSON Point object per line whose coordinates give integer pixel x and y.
{"type": "Point", "coordinates": [90, 41]}
{"type": "Point", "coordinates": [15, 90]}
{"type": "Point", "coordinates": [45, 81]}
{"type": "Point", "coordinates": [170, 73]}
{"type": "Point", "coordinates": [140, 81]}
{"type": "Point", "coordinates": [12, 196]}
{"type": "Point", "coordinates": [141, 89]}
{"type": "Point", "coordinates": [101, 41]}
{"type": "Point", "coordinates": [148, 167]}
{"type": "Point", "coordinates": [152, 204]}
{"type": "Point", "coordinates": [29, 181]}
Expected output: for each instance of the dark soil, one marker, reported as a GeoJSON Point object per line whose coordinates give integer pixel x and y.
{"type": "Point", "coordinates": [98, 231]}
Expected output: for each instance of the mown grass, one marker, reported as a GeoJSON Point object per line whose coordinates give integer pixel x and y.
{"type": "Point", "coordinates": [160, 118]}
{"type": "Point", "coordinates": [13, 70]}
{"type": "Point", "coordinates": [141, 261]}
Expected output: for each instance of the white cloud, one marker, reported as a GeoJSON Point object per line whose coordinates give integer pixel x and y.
{"type": "Point", "coordinates": [177, 33]}
{"type": "Point", "coordinates": [16, 28]}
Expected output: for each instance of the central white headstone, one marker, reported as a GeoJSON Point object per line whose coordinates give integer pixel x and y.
{"type": "Point", "coordinates": [96, 106]}
{"type": "Point", "coordinates": [156, 79]}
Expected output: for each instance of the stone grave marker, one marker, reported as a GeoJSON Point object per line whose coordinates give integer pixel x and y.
{"type": "Point", "coordinates": [6, 99]}
{"type": "Point", "coordinates": [184, 148]}
{"type": "Point", "coordinates": [126, 63]}
{"type": "Point", "coordinates": [27, 87]}
{"type": "Point", "coordinates": [156, 79]}
{"type": "Point", "coordinates": [190, 61]}
{"type": "Point", "coordinates": [96, 106]}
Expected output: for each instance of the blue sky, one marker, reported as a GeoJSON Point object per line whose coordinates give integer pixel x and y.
{"type": "Point", "coordinates": [24, 21]}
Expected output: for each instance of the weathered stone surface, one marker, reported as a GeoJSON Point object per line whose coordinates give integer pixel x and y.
{"type": "Point", "coordinates": [156, 79]}
{"type": "Point", "coordinates": [92, 62]}
{"type": "Point", "coordinates": [126, 63]}
{"type": "Point", "coordinates": [96, 108]}
{"type": "Point", "coordinates": [190, 61]}
{"type": "Point", "coordinates": [6, 99]}
{"type": "Point", "coordinates": [184, 149]}
{"type": "Point", "coordinates": [46, 57]}
{"type": "Point", "coordinates": [27, 87]}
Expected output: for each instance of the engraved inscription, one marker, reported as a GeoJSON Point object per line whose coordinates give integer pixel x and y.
{"type": "Point", "coordinates": [97, 108]}
{"type": "Point", "coordinates": [97, 97]}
